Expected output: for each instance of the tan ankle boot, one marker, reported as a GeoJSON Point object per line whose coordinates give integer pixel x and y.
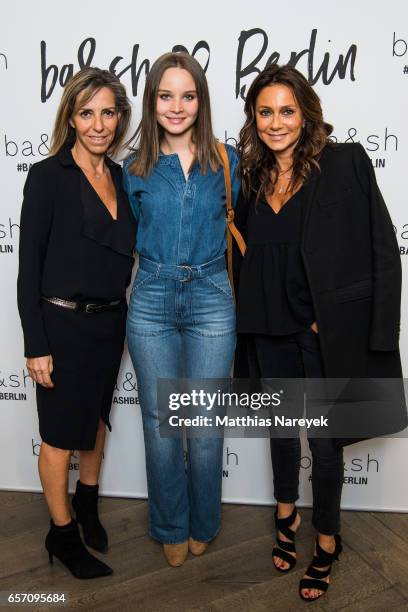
{"type": "Point", "coordinates": [197, 548]}
{"type": "Point", "coordinates": [176, 554]}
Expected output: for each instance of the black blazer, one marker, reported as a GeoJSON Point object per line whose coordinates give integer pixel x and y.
{"type": "Point", "coordinates": [70, 246]}
{"type": "Point", "coordinates": [353, 266]}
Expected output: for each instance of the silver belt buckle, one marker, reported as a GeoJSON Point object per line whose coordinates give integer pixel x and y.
{"type": "Point", "coordinates": [189, 278]}
{"type": "Point", "coordinates": [91, 308]}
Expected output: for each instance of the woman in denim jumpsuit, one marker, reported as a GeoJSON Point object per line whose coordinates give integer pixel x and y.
{"type": "Point", "coordinates": [181, 321]}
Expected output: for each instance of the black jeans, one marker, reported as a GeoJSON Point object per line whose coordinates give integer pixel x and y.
{"type": "Point", "coordinates": [297, 356]}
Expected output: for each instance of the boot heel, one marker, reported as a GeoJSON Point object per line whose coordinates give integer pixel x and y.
{"type": "Point", "coordinates": [51, 557]}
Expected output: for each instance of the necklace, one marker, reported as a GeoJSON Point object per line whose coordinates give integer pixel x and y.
{"type": "Point", "coordinates": [281, 189]}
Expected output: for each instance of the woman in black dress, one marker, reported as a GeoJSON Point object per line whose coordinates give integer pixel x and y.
{"type": "Point", "coordinates": [76, 243]}
{"type": "Point", "coordinates": [319, 288]}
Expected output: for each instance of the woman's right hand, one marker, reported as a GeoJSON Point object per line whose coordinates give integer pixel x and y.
{"type": "Point", "coordinates": [40, 370]}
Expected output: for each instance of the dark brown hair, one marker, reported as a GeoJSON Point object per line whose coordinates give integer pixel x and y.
{"type": "Point", "coordinates": [87, 82]}
{"type": "Point", "coordinates": [258, 167]}
{"type": "Point", "coordinates": [147, 138]}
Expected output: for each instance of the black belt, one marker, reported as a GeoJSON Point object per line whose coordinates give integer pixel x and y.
{"type": "Point", "coordinates": [88, 307]}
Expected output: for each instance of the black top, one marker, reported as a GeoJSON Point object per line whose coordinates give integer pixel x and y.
{"type": "Point", "coordinates": [70, 245]}
{"type": "Point", "coordinates": [274, 296]}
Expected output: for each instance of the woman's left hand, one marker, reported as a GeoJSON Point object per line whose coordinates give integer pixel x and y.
{"type": "Point", "coordinates": [314, 327]}
{"type": "Point", "coordinates": [40, 370]}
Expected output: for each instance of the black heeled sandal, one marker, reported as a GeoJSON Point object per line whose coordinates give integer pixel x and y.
{"type": "Point", "coordinates": [283, 549]}
{"type": "Point", "coordinates": [322, 558]}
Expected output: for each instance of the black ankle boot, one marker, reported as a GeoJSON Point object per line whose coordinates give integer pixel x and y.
{"type": "Point", "coordinates": [65, 543]}
{"type": "Point", "coordinates": [85, 504]}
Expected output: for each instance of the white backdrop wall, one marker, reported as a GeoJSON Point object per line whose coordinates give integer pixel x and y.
{"type": "Point", "coordinates": [355, 53]}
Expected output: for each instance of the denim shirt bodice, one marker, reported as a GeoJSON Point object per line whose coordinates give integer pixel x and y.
{"type": "Point", "coordinates": [180, 221]}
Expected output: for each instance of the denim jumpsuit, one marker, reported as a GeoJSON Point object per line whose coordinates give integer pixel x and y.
{"type": "Point", "coordinates": [181, 324]}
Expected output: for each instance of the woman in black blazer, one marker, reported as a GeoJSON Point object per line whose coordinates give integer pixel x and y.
{"type": "Point", "coordinates": [76, 243]}
{"type": "Point", "coordinates": [319, 289]}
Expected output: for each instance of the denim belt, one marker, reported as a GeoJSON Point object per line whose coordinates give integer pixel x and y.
{"type": "Point", "coordinates": [184, 272]}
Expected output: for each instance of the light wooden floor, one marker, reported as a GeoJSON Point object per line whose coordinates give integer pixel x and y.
{"type": "Point", "coordinates": [236, 573]}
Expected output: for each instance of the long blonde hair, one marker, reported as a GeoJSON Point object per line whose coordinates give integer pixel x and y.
{"type": "Point", "coordinates": [146, 140]}
{"type": "Point", "coordinates": [88, 81]}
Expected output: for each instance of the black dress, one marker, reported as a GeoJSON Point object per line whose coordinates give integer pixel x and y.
{"type": "Point", "coordinates": [72, 248]}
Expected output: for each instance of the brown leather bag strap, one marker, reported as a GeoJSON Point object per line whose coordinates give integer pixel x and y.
{"type": "Point", "coordinates": [232, 230]}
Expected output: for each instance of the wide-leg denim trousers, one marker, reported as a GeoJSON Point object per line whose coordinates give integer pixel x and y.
{"type": "Point", "coordinates": [181, 324]}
